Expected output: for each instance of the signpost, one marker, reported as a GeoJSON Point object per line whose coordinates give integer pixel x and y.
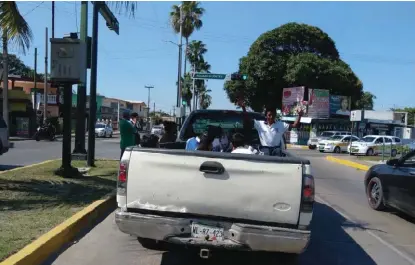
{"type": "Point", "coordinates": [208, 76]}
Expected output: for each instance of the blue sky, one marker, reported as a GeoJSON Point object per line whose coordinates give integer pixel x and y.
{"type": "Point", "coordinates": [375, 38]}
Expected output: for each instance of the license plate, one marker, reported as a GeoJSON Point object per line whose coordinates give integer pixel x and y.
{"type": "Point", "coordinates": [207, 232]}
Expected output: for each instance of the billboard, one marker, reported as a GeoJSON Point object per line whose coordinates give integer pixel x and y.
{"type": "Point", "coordinates": [292, 97]}
{"type": "Point", "coordinates": [340, 105]}
{"type": "Point", "coordinates": [318, 104]}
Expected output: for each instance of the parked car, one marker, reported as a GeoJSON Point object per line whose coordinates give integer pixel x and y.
{"type": "Point", "coordinates": [336, 144]}
{"type": "Point", "coordinates": [313, 142]}
{"type": "Point", "coordinates": [157, 130]}
{"type": "Point", "coordinates": [376, 144]}
{"type": "Point", "coordinates": [215, 200]}
{"type": "Point", "coordinates": [392, 184]}
{"type": "Point", "coordinates": [4, 137]}
{"type": "Point", "coordinates": [103, 130]}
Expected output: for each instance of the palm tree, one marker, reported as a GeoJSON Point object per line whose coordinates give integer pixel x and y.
{"type": "Point", "coordinates": [196, 50]}
{"type": "Point", "coordinates": [192, 13]}
{"type": "Point", "coordinates": [205, 100]}
{"type": "Point", "coordinates": [15, 30]}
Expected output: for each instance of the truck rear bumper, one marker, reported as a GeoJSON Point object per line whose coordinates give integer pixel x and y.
{"type": "Point", "coordinates": [237, 236]}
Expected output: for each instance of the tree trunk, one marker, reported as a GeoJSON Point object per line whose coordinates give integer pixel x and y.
{"type": "Point", "coordinates": [5, 82]}
{"type": "Point", "coordinates": [185, 56]}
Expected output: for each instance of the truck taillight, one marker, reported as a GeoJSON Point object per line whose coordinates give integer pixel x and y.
{"type": "Point", "coordinates": [308, 190]}
{"type": "Point", "coordinates": [122, 178]}
{"type": "Point", "coordinates": [122, 173]}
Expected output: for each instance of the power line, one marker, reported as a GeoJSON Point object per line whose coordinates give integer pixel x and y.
{"type": "Point", "coordinates": [33, 9]}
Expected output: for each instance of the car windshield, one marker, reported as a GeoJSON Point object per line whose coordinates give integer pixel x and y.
{"type": "Point", "coordinates": [327, 134]}
{"type": "Point", "coordinates": [99, 126]}
{"type": "Point", "coordinates": [336, 138]}
{"type": "Point", "coordinates": [157, 127]}
{"type": "Point", "coordinates": [368, 139]}
{"type": "Point", "coordinates": [229, 121]}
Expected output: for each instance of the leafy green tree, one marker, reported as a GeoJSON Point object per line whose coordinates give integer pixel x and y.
{"type": "Point", "coordinates": [366, 101]}
{"type": "Point", "coordinates": [14, 29]}
{"type": "Point", "coordinates": [192, 14]}
{"type": "Point", "coordinates": [205, 100]}
{"type": "Point", "coordinates": [292, 55]}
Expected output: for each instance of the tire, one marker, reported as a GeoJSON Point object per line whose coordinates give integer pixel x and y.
{"type": "Point", "coordinates": [105, 135]}
{"type": "Point", "coordinates": [321, 151]}
{"type": "Point", "coordinates": [337, 150]}
{"type": "Point", "coordinates": [151, 244]}
{"type": "Point", "coordinates": [369, 152]}
{"type": "Point", "coordinates": [374, 194]}
{"type": "Point", "coordinates": [394, 152]}
{"type": "Point", "coordinates": [111, 135]}
{"type": "Point", "coordinates": [311, 147]}
{"type": "Point", "coordinates": [37, 138]}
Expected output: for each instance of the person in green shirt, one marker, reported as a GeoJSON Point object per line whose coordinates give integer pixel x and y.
{"type": "Point", "coordinates": [127, 132]}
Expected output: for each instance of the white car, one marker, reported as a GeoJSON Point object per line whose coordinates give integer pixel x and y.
{"type": "Point", "coordinates": [313, 142]}
{"type": "Point", "coordinates": [4, 137]}
{"type": "Point", "coordinates": [376, 144]}
{"type": "Point", "coordinates": [103, 130]}
{"type": "Point", "coordinates": [336, 144]}
{"type": "Point", "coordinates": [157, 130]}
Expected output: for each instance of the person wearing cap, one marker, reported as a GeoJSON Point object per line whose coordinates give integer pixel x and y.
{"type": "Point", "coordinates": [127, 132]}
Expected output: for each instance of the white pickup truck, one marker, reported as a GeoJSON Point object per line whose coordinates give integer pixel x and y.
{"type": "Point", "coordinates": [214, 199]}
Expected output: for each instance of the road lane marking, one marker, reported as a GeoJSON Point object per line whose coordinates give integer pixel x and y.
{"type": "Point", "coordinates": [28, 166]}
{"type": "Point", "coordinates": [348, 163]}
{"type": "Point", "coordinates": [382, 241]}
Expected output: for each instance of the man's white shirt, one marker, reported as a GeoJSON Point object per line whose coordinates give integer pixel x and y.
{"type": "Point", "coordinates": [271, 135]}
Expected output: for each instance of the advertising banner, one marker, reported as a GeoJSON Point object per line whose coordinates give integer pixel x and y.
{"type": "Point", "coordinates": [340, 105]}
{"type": "Point", "coordinates": [319, 103]}
{"type": "Point", "coordinates": [292, 97]}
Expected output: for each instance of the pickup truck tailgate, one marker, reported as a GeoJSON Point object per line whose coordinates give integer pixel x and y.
{"type": "Point", "coordinates": [249, 189]}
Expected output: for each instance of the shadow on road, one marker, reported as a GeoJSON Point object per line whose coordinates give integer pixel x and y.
{"type": "Point", "coordinates": [330, 245]}
{"type": "Point", "coordinates": [8, 167]}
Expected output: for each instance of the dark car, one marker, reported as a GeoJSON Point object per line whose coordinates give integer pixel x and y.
{"type": "Point", "coordinates": [392, 185]}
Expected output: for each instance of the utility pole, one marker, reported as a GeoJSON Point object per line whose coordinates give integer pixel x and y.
{"type": "Point", "coordinates": [53, 19]}
{"type": "Point", "coordinates": [93, 85]}
{"type": "Point", "coordinates": [154, 108]}
{"type": "Point", "coordinates": [45, 90]}
{"type": "Point", "coordinates": [118, 115]}
{"type": "Point", "coordinates": [193, 87]}
{"type": "Point", "coordinates": [35, 81]}
{"type": "Point", "coordinates": [81, 91]}
{"type": "Point", "coordinates": [148, 105]}
{"type": "Point", "coordinates": [179, 81]}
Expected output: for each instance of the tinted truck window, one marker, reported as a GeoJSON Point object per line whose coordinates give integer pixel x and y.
{"type": "Point", "coordinates": [2, 123]}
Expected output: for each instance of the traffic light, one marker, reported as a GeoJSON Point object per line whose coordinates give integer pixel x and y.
{"type": "Point", "coordinates": [184, 103]}
{"type": "Point", "coordinates": [238, 76]}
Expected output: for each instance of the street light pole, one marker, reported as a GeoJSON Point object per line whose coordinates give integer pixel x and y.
{"type": "Point", "coordinates": [93, 85]}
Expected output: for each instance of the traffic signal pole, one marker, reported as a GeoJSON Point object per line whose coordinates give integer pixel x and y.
{"type": "Point", "coordinates": [81, 98]}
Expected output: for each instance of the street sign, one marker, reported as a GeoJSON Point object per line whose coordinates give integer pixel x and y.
{"type": "Point", "coordinates": [209, 76]}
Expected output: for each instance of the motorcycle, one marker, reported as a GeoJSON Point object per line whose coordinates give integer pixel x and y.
{"type": "Point", "coordinates": [46, 132]}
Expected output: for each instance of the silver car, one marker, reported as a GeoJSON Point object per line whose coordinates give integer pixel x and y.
{"type": "Point", "coordinates": [313, 142]}
{"type": "Point", "coordinates": [4, 137]}
{"type": "Point", "coordinates": [157, 130]}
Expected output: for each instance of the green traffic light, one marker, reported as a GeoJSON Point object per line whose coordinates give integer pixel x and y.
{"type": "Point", "coordinates": [244, 77]}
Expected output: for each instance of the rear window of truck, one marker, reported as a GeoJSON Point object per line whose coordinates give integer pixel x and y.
{"type": "Point", "coordinates": [229, 121]}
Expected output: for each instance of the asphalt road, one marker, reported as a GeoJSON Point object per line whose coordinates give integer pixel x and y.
{"type": "Point", "coordinates": [29, 151]}
{"type": "Point", "coordinates": [345, 231]}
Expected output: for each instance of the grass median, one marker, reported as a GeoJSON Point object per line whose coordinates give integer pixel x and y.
{"type": "Point", "coordinates": [34, 200]}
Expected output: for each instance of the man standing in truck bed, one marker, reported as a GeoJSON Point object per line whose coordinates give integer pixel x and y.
{"type": "Point", "coordinates": [270, 131]}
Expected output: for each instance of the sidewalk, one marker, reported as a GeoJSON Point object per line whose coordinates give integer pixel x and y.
{"type": "Point", "coordinates": [17, 138]}
{"type": "Point", "coordinates": [362, 161]}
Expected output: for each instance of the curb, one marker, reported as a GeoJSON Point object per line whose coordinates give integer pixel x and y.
{"type": "Point", "coordinates": [348, 163]}
{"type": "Point", "coordinates": [294, 146]}
{"type": "Point", "coordinates": [42, 248]}
{"type": "Point", "coordinates": [28, 166]}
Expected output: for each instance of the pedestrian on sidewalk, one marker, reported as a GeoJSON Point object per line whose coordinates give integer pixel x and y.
{"type": "Point", "coordinates": [127, 132]}
{"type": "Point", "coordinates": [134, 121]}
